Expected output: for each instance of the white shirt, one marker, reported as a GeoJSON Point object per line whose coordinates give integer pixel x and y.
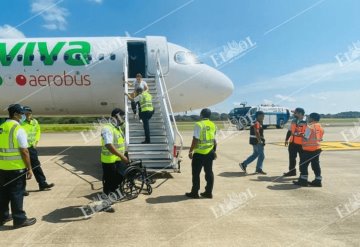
{"type": "Point", "coordinates": [107, 135]}
{"type": "Point", "coordinates": [21, 135]}
{"type": "Point", "coordinates": [141, 84]}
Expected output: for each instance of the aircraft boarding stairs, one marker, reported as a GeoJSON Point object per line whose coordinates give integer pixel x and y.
{"type": "Point", "coordinates": [162, 153]}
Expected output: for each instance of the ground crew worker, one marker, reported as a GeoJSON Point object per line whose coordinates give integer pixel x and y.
{"type": "Point", "coordinates": [203, 152]}
{"type": "Point", "coordinates": [311, 152]}
{"type": "Point", "coordinates": [138, 83]}
{"type": "Point", "coordinates": [113, 157]}
{"type": "Point", "coordinates": [146, 111]}
{"type": "Point", "coordinates": [257, 140]}
{"type": "Point", "coordinates": [15, 168]}
{"type": "Point", "coordinates": [293, 139]}
{"type": "Point", "coordinates": [32, 128]}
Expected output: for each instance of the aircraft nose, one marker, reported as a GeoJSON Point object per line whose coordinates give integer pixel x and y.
{"type": "Point", "coordinates": [219, 84]}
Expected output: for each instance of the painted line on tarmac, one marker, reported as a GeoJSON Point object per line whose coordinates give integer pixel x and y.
{"type": "Point", "coordinates": [332, 146]}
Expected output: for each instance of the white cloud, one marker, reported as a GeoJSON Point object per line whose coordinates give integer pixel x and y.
{"type": "Point", "coordinates": [96, 1]}
{"type": "Point", "coordinates": [285, 98]}
{"type": "Point", "coordinates": [53, 15]}
{"type": "Point", "coordinates": [9, 32]}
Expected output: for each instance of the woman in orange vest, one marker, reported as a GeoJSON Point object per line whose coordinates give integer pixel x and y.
{"type": "Point", "coordinates": [311, 152]}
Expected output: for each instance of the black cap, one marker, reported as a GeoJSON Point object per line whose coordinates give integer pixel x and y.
{"type": "Point", "coordinates": [117, 111]}
{"type": "Point", "coordinates": [27, 109]}
{"type": "Point", "coordinates": [139, 90]}
{"type": "Point", "coordinates": [15, 108]}
{"type": "Point", "coordinates": [315, 116]}
{"type": "Point", "coordinates": [299, 110]}
{"type": "Point", "coordinates": [205, 113]}
{"type": "Point", "coordinates": [259, 113]}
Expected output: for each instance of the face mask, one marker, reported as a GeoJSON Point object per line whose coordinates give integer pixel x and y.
{"type": "Point", "coordinates": [23, 118]}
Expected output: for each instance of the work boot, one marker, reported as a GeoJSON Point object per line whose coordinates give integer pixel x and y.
{"type": "Point", "coordinates": [206, 195]}
{"type": "Point", "coordinates": [301, 182]}
{"type": "Point", "coordinates": [26, 193]}
{"type": "Point", "coordinates": [291, 173]}
{"type": "Point", "coordinates": [46, 187]}
{"type": "Point", "coordinates": [260, 172]}
{"type": "Point", "coordinates": [27, 222]}
{"type": "Point", "coordinates": [3, 222]}
{"type": "Point", "coordinates": [243, 167]}
{"type": "Point", "coordinates": [192, 195]}
{"type": "Point", "coordinates": [316, 183]}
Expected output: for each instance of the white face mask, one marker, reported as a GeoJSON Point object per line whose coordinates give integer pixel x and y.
{"type": "Point", "coordinates": [23, 118]}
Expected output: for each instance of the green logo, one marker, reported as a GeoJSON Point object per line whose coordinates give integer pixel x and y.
{"type": "Point", "coordinates": [72, 48]}
{"type": "Point", "coordinates": [1, 81]}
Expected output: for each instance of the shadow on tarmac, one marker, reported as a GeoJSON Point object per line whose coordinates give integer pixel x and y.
{"type": "Point", "coordinates": [167, 199]}
{"type": "Point", "coordinates": [64, 215]}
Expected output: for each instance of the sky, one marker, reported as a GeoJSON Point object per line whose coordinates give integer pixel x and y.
{"type": "Point", "coordinates": [300, 53]}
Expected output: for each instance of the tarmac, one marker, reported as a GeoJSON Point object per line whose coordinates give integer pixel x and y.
{"type": "Point", "coordinates": [251, 210]}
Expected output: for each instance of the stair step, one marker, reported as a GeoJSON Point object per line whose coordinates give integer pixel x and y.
{"type": "Point", "coordinates": [153, 126]}
{"type": "Point", "coordinates": [153, 155]}
{"type": "Point", "coordinates": [147, 147]}
{"type": "Point", "coordinates": [134, 133]}
{"type": "Point", "coordinates": [158, 164]}
{"type": "Point", "coordinates": [154, 139]}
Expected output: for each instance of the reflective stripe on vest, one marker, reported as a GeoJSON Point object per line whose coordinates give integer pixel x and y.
{"type": "Point", "coordinates": [10, 157]}
{"type": "Point", "coordinates": [118, 142]}
{"type": "Point", "coordinates": [207, 137]}
{"type": "Point", "coordinates": [297, 129]}
{"type": "Point", "coordinates": [31, 130]}
{"type": "Point", "coordinates": [316, 135]}
{"type": "Point", "coordinates": [146, 102]}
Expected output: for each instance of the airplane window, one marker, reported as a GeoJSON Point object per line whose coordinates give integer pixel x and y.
{"type": "Point", "coordinates": [54, 58]}
{"type": "Point", "coordinates": [112, 56]}
{"type": "Point", "coordinates": [42, 57]}
{"type": "Point", "coordinates": [101, 57]}
{"type": "Point", "coordinates": [78, 56]}
{"type": "Point", "coordinates": [19, 58]}
{"type": "Point", "coordinates": [8, 58]}
{"type": "Point", "coordinates": [183, 57]}
{"type": "Point", "coordinates": [89, 57]}
{"type": "Point", "coordinates": [66, 57]}
{"type": "Point", "coordinates": [31, 57]}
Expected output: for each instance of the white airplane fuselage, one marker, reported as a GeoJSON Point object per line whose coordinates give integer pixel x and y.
{"type": "Point", "coordinates": [85, 76]}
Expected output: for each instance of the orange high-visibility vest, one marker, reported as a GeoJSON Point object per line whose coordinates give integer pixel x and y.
{"type": "Point", "coordinates": [297, 131]}
{"type": "Point", "coordinates": [312, 143]}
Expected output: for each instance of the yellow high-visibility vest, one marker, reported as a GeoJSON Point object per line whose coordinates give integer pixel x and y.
{"type": "Point", "coordinates": [207, 137]}
{"type": "Point", "coordinates": [32, 130]}
{"type": "Point", "coordinates": [146, 102]}
{"type": "Point", "coordinates": [119, 143]}
{"type": "Point", "coordinates": [10, 157]}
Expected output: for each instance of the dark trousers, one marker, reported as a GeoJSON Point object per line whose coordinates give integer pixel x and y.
{"type": "Point", "coordinates": [312, 157]}
{"type": "Point", "coordinates": [134, 105]}
{"type": "Point", "coordinates": [199, 161]}
{"type": "Point", "coordinates": [294, 150]}
{"type": "Point", "coordinates": [36, 167]}
{"type": "Point", "coordinates": [112, 176]}
{"type": "Point", "coordinates": [145, 117]}
{"type": "Point", "coordinates": [12, 188]}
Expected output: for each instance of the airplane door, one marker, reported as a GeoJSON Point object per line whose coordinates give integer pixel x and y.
{"type": "Point", "coordinates": [154, 44]}
{"type": "Point", "coordinates": [136, 56]}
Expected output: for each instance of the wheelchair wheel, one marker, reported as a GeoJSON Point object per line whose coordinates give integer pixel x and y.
{"type": "Point", "coordinates": [133, 182]}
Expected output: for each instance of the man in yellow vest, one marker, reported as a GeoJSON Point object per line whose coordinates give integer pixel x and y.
{"type": "Point", "coordinates": [311, 152]}
{"type": "Point", "coordinates": [202, 153]}
{"type": "Point", "coordinates": [113, 157]}
{"type": "Point", "coordinates": [32, 128]}
{"type": "Point", "coordinates": [146, 110]}
{"type": "Point", "coordinates": [15, 167]}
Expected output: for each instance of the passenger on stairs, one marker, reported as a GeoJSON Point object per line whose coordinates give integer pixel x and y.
{"type": "Point", "coordinates": [138, 83]}
{"type": "Point", "coordinates": [146, 110]}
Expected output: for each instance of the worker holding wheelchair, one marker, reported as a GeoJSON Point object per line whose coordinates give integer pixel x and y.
{"type": "Point", "coordinates": [113, 158]}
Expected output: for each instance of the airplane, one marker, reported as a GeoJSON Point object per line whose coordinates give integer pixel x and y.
{"type": "Point", "coordinates": [85, 76]}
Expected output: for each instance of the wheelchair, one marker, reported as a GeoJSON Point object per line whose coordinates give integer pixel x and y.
{"type": "Point", "coordinates": [134, 179]}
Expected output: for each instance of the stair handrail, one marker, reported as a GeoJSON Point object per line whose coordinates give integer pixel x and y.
{"type": "Point", "coordinates": [168, 108]}
{"type": "Point", "coordinates": [126, 108]}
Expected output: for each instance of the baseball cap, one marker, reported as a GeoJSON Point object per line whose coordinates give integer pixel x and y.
{"type": "Point", "coordinates": [15, 108]}
{"type": "Point", "coordinates": [299, 110]}
{"type": "Point", "coordinates": [27, 109]}
{"type": "Point", "coordinates": [117, 111]}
